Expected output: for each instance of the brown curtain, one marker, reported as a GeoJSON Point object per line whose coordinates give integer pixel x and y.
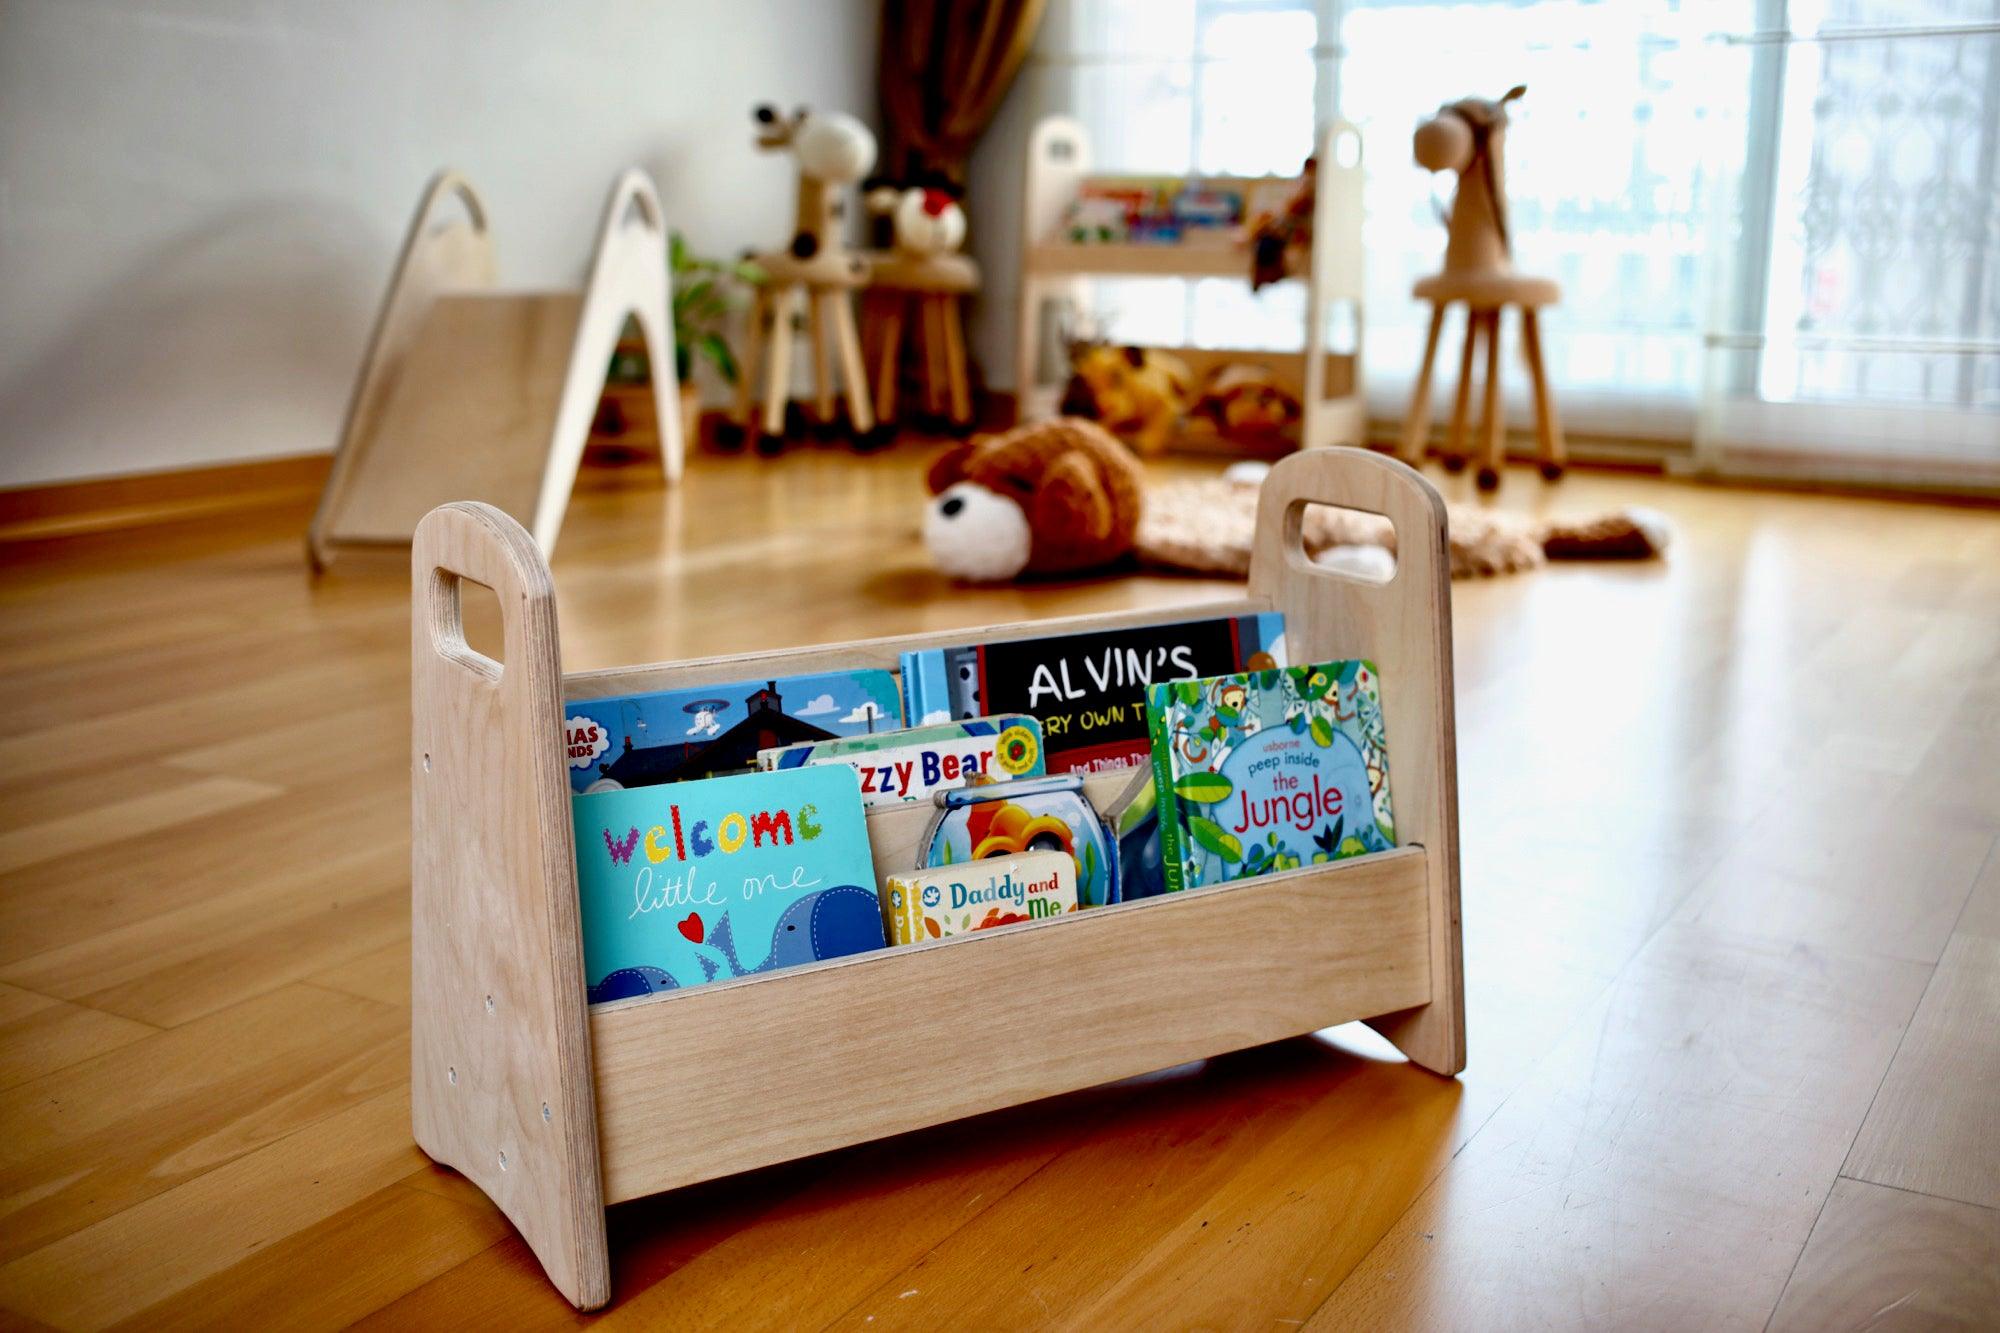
{"type": "Point", "coordinates": [945, 65]}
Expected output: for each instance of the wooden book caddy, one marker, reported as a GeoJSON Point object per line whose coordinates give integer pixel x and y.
{"type": "Point", "coordinates": [468, 390]}
{"type": "Point", "coordinates": [555, 1108]}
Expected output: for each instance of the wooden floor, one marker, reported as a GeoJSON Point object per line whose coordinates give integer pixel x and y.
{"type": "Point", "coordinates": [1732, 921]}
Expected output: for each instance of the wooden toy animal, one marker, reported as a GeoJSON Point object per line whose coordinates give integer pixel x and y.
{"type": "Point", "coordinates": [1468, 137]}
{"type": "Point", "coordinates": [816, 270]}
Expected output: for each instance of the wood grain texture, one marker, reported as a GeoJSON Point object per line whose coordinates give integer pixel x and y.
{"type": "Point", "coordinates": [1935, 1125]}
{"type": "Point", "coordinates": [500, 1057]}
{"type": "Point", "coordinates": [1889, 1259]}
{"type": "Point", "coordinates": [470, 392]}
{"type": "Point", "coordinates": [1140, 987]}
{"type": "Point", "coordinates": [1334, 943]}
{"type": "Point", "coordinates": [1698, 717]}
{"type": "Point", "coordinates": [1404, 627]}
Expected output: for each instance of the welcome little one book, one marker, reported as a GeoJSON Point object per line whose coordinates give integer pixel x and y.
{"type": "Point", "coordinates": [642, 740]}
{"type": "Point", "coordinates": [1269, 770]}
{"type": "Point", "coordinates": [722, 877]}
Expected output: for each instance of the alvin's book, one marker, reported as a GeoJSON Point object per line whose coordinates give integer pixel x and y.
{"type": "Point", "coordinates": [722, 877]}
{"type": "Point", "coordinates": [908, 765]}
{"type": "Point", "coordinates": [1269, 770]}
{"type": "Point", "coordinates": [642, 740]}
{"type": "Point", "coordinates": [1088, 689]}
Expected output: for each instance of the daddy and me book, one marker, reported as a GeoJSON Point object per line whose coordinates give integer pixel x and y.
{"type": "Point", "coordinates": [1088, 689]}
{"type": "Point", "coordinates": [642, 740]}
{"type": "Point", "coordinates": [908, 765]}
{"type": "Point", "coordinates": [722, 877]}
{"type": "Point", "coordinates": [1268, 770]}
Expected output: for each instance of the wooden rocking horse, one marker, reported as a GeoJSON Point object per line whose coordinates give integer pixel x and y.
{"type": "Point", "coordinates": [1467, 137]}
{"type": "Point", "coordinates": [816, 269]}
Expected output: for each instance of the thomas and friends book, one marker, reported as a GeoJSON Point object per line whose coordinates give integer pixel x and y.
{"type": "Point", "coordinates": [643, 740]}
{"type": "Point", "coordinates": [908, 765]}
{"type": "Point", "coordinates": [722, 877]}
{"type": "Point", "coordinates": [1088, 689]}
{"type": "Point", "coordinates": [1269, 770]}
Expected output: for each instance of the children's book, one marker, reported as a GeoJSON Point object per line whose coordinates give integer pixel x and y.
{"type": "Point", "coordinates": [978, 895]}
{"type": "Point", "coordinates": [642, 740]}
{"type": "Point", "coordinates": [1088, 689]}
{"type": "Point", "coordinates": [908, 765]}
{"type": "Point", "coordinates": [1269, 770]}
{"type": "Point", "coordinates": [722, 877]}
{"type": "Point", "coordinates": [1049, 814]}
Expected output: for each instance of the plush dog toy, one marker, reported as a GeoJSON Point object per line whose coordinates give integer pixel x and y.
{"type": "Point", "coordinates": [1137, 393]}
{"type": "Point", "coordinates": [1050, 497]}
{"type": "Point", "coordinates": [1248, 403]}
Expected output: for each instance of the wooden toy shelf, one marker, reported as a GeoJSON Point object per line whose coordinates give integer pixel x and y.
{"type": "Point", "coordinates": [557, 1109]}
{"type": "Point", "coordinates": [1332, 405]}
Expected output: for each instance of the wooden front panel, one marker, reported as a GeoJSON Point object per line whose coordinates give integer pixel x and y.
{"type": "Point", "coordinates": [778, 1067]}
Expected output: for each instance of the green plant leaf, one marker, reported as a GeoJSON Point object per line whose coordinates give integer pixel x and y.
{"type": "Point", "coordinates": [1322, 732]}
{"type": "Point", "coordinates": [1211, 835]}
{"type": "Point", "coordinates": [718, 352]}
{"type": "Point", "coordinates": [1204, 788]}
{"type": "Point", "coordinates": [1189, 693]}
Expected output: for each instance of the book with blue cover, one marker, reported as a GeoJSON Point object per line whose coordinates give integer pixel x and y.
{"type": "Point", "coordinates": [1088, 689]}
{"type": "Point", "coordinates": [642, 740]}
{"type": "Point", "coordinates": [1270, 770]}
{"type": "Point", "coordinates": [722, 877]}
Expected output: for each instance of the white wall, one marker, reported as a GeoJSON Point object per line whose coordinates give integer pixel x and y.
{"type": "Point", "coordinates": [200, 200]}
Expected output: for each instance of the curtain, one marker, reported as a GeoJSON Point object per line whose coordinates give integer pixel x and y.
{"type": "Point", "coordinates": [944, 66]}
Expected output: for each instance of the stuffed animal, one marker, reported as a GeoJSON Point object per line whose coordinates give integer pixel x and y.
{"type": "Point", "coordinates": [1248, 403]}
{"type": "Point", "coordinates": [1278, 243]}
{"type": "Point", "coordinates": [925, 215]}
{"type": "Point", "coordinates": [1050, 497]}
{"type": "Point", "coordinates": [1139, 394]}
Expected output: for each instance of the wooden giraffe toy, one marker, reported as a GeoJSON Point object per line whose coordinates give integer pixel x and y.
{"type": "Point", "coordinates": [816, 270]}
{"type": "Point", "coordinates": [1468, 137]}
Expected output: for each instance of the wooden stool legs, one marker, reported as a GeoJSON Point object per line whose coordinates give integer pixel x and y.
{"type": "Point", "coordinates": [1548, 426]}
{"type": "Point", "coordinates": [829, 321]}
{"type": "Point", "coordinates": [1484, 323]}
{"type": "Point", "coordinates": [1491, 424]}
{"type": "Point", "coordinates": [1454, 445]}
{"type": "Point", "coordinates": [937, 326]}
{"type": "Point", "coordinates": [1417, 425]}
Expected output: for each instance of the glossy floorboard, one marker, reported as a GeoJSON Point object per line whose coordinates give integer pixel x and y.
{"type": "Point", "coordinates": [1732, 923]}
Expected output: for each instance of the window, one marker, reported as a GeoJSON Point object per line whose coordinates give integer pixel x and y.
{"type": "Point", "coordinates": [1764, 215]}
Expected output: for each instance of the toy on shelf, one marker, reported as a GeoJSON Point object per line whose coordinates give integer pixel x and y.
{"type": "Point", "coordinates": [1468, 137]}
{"type": "Point", "coordinates": [1281, 239]}
{"type": "Point", "coordinates": [1050, 497]}
{"type": "Point", "coordinates": [1077, 226]}
{"type": "Point", "coordinates": [1139, 394]}
{"type": "Point", "coordinates": [816, 271]}
{"type": "Point", "coordinates": [471, 391]}
{"type": "Point", "coordinates": [924, 272]}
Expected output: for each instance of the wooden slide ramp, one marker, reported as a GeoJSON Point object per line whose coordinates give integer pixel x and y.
{"type": "Point", "coordinates": [470, 392]}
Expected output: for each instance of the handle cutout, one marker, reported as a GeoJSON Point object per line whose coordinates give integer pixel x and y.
{"type": "Point", "coordinates": [1353, 544]}
{"type": "Point", "coordinates": [476, 639]}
